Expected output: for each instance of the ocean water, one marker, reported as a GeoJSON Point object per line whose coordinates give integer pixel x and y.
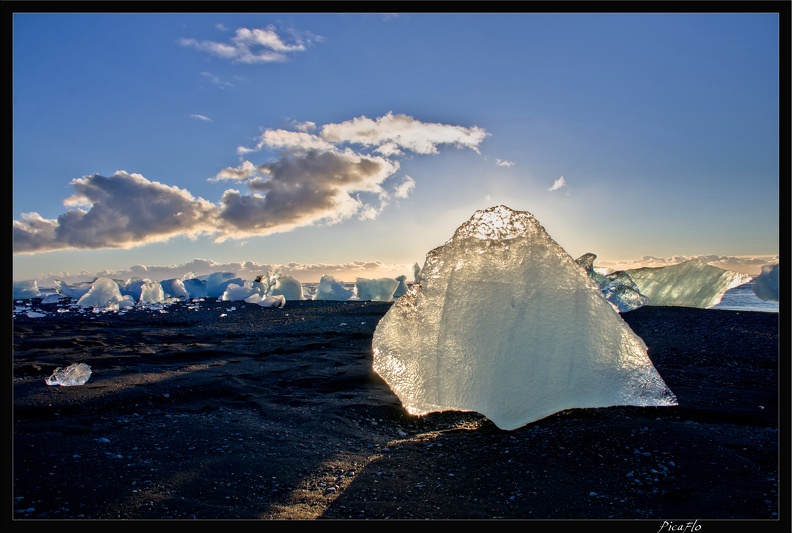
{"type": "Point", "coordinates": [742, 298]}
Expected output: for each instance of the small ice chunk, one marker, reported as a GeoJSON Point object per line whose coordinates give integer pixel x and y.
{"type": "Point", "coordinates": [74, 374]}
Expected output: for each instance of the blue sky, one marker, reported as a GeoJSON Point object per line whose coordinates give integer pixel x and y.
{"type": "Point", "coordinates": [352, 144]}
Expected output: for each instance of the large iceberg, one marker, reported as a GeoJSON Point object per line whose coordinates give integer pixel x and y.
{"type": "Point", "coordinates": [505, 323]}
{"type": "Point", "coordinates": [766, 283]}
{"type": "Point", "coordinates": [692, 283]}
{"type": "Point", "coordinates": [617, 286]}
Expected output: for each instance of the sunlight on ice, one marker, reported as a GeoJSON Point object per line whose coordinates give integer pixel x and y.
{"type": "Point", "coordinates": [692, 283]}
{"type": "Point", "coordinates": [505, 323]}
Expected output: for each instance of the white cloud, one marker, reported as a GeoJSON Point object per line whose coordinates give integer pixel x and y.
{"type": "Point", "coordinates": [121, 211]}
{"type": "Point", "coordinates": [560, 183]}
{"type": "Point", "coordinates": [502, 163]}
{"type": "Point", "coordinates": [257, 45]}
{"type": "Point", "coordinates": [216, 80]}
{"type": "Point", "coordinates": [201, 117]}
{"type": "Point", "coordinates": [405, 188]}
{"type": "Point", "coordinates": [391, 132]}
{"type": "Point", "coordinates": [304, 126]}
{"type": "Point", "coordinates": [312, 180]}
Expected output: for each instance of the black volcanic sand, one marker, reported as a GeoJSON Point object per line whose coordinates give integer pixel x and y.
{"type": "Point", "coordinates": [242, 412]}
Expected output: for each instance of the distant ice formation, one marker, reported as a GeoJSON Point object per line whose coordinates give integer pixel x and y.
{"type": "Point", "coordinates": [218, 282]}
{"type": "Point", "coordinates": [267, 301]}
{"type": "Point", "coordinates": [195, 287]}
{"type": "Point", "coordinates": [26, 289]}
{"type": "Point", "coordinates": [401, 288]}
{"type": "Point", "coordinates": [376, 290]}
{"type": "Point", "coordinates": [175, 288]}
{"type": "Point", "coordinates": [142, 290]}
{"type": "Point", "coordinates": [505, 323]}
{"type": "Point", "coordinates": [617, 287]}
{"type": "Point", "coordinates": [766, 283]}
{"type": "Point", "coordinates": [284, 285]}
{"type": "Point", "coordinates": [242, 292]}
{"type": "Point", "coordinates": [76, 290]}
{"type": "Point", "coordinates": [330, 289]}
{"type": "Point", "coordinates": [692, 283]}
{"type": "Point", "coordinates": [105, 293]}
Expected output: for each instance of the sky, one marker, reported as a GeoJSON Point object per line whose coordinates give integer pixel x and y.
{"type": "Point", "coordinates": [156, 145]}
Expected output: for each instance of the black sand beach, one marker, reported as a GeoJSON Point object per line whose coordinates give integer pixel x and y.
{"type": "Point", "coordinates": [276, 414]}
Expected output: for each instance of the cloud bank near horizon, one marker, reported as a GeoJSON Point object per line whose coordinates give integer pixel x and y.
{"type": "Point", "coordinates": [345, 170]}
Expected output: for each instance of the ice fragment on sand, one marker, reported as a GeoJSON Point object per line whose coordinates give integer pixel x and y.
{"type": "Point", "coordinates": [505, 323]}
{"type": "Point", "coordinates": [74, 374]}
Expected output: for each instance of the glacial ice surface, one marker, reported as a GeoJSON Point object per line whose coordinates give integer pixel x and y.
{"type": "Point", "coordinates": [691, 283]}
{"type": "Point", "coordinates": [766, 283]}
{"type": "Point", "coordinates": [505, 323]}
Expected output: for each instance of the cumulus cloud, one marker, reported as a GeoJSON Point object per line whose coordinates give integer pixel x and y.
{"type": "Point", "coordinates": [301, 189]}
{"type": "Point", "coordinates": [502, 163]}
{"type": "Point", "coordinates": [390, 134]}
{"type": "Point", "coordinates": [560, 183]}
{"type": "Point", "coordinates": [120, 211]}
{"type": "Point", "coordinates": [257, 45]}
{"type": "Point", "coordinates": [311, 180]}
{"type": "Point", "coordinates": [405, 188]}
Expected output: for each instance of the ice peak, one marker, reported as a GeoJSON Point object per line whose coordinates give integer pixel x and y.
{"type": "Point", "coordinates": [497, 223]}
